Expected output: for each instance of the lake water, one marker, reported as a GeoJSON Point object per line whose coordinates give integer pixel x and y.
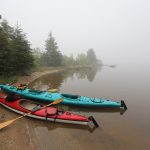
{"type": "Point", "coordinates": [117, 131]}
{"type": "Point", "coordinates": [127, 131]}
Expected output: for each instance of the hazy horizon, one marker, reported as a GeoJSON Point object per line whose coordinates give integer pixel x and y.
{"type": "Point", "coordinates": [117, 30]}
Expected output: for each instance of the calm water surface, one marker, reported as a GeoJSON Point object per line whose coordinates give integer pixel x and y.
{"type": "Point", "coordinates": [130, 131]}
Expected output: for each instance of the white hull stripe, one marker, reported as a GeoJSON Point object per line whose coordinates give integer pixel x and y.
{"type": "Point", "coordinates": [43, 118]}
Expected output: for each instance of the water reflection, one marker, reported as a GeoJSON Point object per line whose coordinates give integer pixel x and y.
{"type": "Point", "coordinates": [111, 66]}
{"type": "Point", "coordinates": [55, 80]}
{"type": "Point", "coordinates": [91, 110]}
{"type": "Point", "coordinates": [48, 81]}
{"type": "Point", "coordinates": [88, 74]}
{"type": "Point", "coordinates": [54, 125]}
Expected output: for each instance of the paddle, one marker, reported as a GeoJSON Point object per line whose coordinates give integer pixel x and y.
{"type": "Point", "coordinates": [5, 124]}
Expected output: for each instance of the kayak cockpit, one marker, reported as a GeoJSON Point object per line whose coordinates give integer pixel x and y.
{"type": "Point", "coordinates": [69, 96]}
{"type": "Point", "coordinates": [29, 105]}
{"type": "Point", "coordinates": [33, 107]}
{"type": "Point", "coordinates": [35, 92]}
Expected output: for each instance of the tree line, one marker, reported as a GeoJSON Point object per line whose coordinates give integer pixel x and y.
{"type": "Point", "coordinates": [17, 56]}
{"type": "Point", "coordinates": [15, 52]}
{"type": "Point", "coordinates": [53, 57]}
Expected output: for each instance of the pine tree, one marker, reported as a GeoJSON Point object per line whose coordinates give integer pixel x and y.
{"type": "Point", "coordinates": [5, 49]}
{"type": "Point", "coordinates": [53, 56]}
{"type": "Point", "coordinates": [91, 56]}
{"type": "Point", "coordinates": [22, 56]}
{"type": "Point", "coordinates": [15, 51]}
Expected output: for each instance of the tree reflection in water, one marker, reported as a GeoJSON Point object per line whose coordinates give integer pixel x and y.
{"type": "Point", "coordinates": [55, 80]}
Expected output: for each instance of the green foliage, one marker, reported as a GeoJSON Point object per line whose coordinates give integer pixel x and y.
{"type": "Point", "coordinates": [82, 59]}
{"type": "Point", "coordinates": [69, 60]}
{"type": "Point", "coordinates": [52, 56]}
{"type": "Point", "coordinates": [15, 51]}
{"type": "Point", "coordinates": [5, 49]}
{"type": "Point", "coordinates": [22, 56]}
{"type": "Point", "coordinates": [16, 56]}
{"type": "Point", "coordinates": [91, 57]}
{"type": "Point", "coordinates": [37, 57]}
{"type": "Point", "coordinates": [10, 79]}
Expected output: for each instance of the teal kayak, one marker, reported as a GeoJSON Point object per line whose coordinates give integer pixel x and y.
{"type": "Point", "coordinates": [69, 99]}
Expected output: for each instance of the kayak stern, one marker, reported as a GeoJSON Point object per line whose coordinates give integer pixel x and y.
{"type": "Point", "coordinates": [123, 105]}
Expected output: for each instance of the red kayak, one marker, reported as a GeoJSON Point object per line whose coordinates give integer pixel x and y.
{"type": "Point", "coordinates": [22, 106]}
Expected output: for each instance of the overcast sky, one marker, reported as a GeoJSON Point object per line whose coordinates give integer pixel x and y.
{"type": "Point", "coordinates": [118, 30]}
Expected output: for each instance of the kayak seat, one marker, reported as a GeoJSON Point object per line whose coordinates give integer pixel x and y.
{"type": "Point", "coordinates": [51, 111]}
{"type": "Point", "coordinates": [36, 108]}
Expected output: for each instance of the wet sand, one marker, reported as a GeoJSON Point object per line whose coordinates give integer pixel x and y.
{"type": "Point", "coordinates": [17, 136]}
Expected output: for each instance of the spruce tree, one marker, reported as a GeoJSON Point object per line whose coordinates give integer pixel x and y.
{"type": "Point", "coordinates": [22, 56]}
{"type": "Point", "coordinates": [15, 52]}
{"type": "Point", "coordinates": [91, 56]}
{"type": "Point", "coordinates": [5, 50]}
{"type": "Point", "coordinates": [53, 56]}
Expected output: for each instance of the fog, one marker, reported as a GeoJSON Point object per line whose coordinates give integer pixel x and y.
{"type": "Point", "coordinates": [118, 30]}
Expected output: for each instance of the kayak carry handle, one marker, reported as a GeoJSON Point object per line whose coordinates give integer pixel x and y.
{"type": "Point", "coordinates": [123, 105]}
{"type": "Point", "coordinates": [91, 118]}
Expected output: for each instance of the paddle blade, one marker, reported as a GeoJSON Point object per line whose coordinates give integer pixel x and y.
{"type": "Point", "coordinates": [7, 123]}
{"type": "Point", "coordinates": [57, 101]}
